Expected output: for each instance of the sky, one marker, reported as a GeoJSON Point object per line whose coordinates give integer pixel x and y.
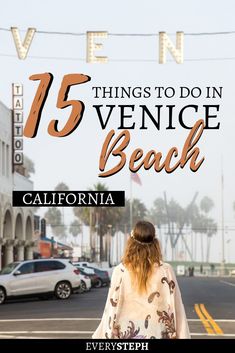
{"type": "Point", "coordinates": [132, 61]}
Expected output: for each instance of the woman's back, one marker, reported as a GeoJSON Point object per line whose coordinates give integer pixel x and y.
{"type": "Point", "coordinates": [144, 300]}
{"type": "Point", "coordinates": [156, 313]}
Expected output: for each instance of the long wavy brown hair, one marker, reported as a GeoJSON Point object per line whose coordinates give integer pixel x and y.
{"type": "Point", "coordinates": [142, 252]}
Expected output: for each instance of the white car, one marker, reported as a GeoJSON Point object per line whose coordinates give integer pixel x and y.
{"type": "Point", "coordinates": [39, 278]}
{"type": "Point", "coordinates": [85, 285]}
{"type": "Point", "coordinates": [84, 264]}
{"type": "Point", "coordinates": [81, 263]}
{"type": "Point", "coordinates": [89, 271]}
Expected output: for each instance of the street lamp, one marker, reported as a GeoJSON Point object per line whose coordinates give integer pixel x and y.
{"type": "Point", "coordinates": [109, 244]}
{"type": "Point", "coordinates": [228, 242]}
{"type": "Point", "coordinates": [53, 246]}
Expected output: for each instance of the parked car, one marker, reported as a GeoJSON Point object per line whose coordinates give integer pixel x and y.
{"type": "Point", "coordinates": [85, 285]}
{"type": "Point", "coordinates": [81, 263]}
{"type": "Point", "coordinates": [103, 277]}
{"type": "Point", "coordinates": [40, 278]}
{"type": "Point", "coordinates": [89, 273]}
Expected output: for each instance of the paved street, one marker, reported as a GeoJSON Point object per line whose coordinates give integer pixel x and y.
{"type": "Point", "coordinates": [209, 302]}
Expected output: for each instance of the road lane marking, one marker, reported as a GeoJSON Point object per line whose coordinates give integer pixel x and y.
{"type": "Point", "coordinates": [217, 320]}
{"type": "Point", "coordinates": [54, 319]}
{"type": "Point", "coordinates": [228, 283]}
{"type": "Point", "coordinates": [205, 322]}
{"type": "Point", "coordinates": [91, 319]}
{"type": "Point", "coordinates": [21, 337]}
{"type": "Point", "coordinates": [208, 334]}
{"type": "Point", "coordinates": [45, 332]}
{"type": "Point", "coordinates": [215, 326]}
{"type": "Point", "coordinates": [16, 334]}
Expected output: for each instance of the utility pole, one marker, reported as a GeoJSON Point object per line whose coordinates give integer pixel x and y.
{"type": "Point", "coordinates": [91, 233]}
{"type": "Point", "coordinates": [109, 244]}
{"type": "Point", "coordinates": [131, 206]}
{"type": "Point", "coordinates": [52, 246]}
{"type": "Point", "coordinates": [222, 221]}
{"type": "Point", "coordinates": [82, 241]}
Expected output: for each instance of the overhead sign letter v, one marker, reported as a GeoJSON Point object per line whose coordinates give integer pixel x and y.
{"type": "Point", "coordinates": [22, 48]}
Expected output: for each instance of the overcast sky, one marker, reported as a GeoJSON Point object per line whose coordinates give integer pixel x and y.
{"type": "Point", "coordinates": [133, 61]}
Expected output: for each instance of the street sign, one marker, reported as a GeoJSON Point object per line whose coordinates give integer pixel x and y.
{"type": "Point", "coordinates": [180, 270]}
{"type": "Point", "coordinates": [17, 107]}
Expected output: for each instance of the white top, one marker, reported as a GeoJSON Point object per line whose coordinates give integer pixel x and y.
{"type": "Point", "coordinates": [159, 313]}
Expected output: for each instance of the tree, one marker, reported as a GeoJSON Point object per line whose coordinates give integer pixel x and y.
{"type": "Point", "coordinates": [63, 229]}
{"type": "Point", "coordinates": [26, 170]}
{"type": "Point", "coordinates": [192, 215]}
{"type": "Point", "coordinates": [29, 166]}
{"type": "Point", "coordinates": [53, 218]}
{"type": "Point", "coordinates": [203, 225]}
{"type": "Point", "coordinates": [139, 212]}
{"type": "Point", "coordinates": [61, 187]}
{"type": "Point", "coordinates": [206, 204]}
{"type": "Point", "coordinates": [210, 227]}
{"type": "Point", "coordinates": [157, 213]}
{"type": "Point", "coordinates": [99, 219]}
{"type": "Point", "coordinates": [176, 217]}
{"type": "Point", "coordinates": [199, 226]}
{"type": "Point", "coordinates": [75, 228]}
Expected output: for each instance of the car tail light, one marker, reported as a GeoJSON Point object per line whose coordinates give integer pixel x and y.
{"type": "Point", "coordinates": [77, 272]}
{"type": "Point", "coordinates": [86, 277]}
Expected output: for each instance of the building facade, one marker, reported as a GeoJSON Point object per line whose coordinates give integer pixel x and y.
{"type": "Point", "coordinates": [17, 240]}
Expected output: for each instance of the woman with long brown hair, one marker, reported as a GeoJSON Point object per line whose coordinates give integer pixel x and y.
{"type": "Point", "coordinates": [144, 299]}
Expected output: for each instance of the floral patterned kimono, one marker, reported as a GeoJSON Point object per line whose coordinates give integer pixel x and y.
{"type": "Point", "coordinates": [159, 313]}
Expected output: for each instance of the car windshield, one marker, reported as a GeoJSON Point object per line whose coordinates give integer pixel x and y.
{"type": "Point", "coordinates": [9, 268]}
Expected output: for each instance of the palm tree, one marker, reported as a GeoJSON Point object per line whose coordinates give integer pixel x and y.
{"type": "Point", "coordinates": [53, 218]}
{"type": "Point", "coordinates": [29, 166]}
{"type": "Point", "coordinates": [75, 228]}
{"type": "Point", "coordinates": [157, 213]}
{"type": "Point", "coordinates": [99, 219]}
{"type": "Point", "coordinates": [206, 206]}
{"type": "Point", "coordinates": [62, 187]}
{"type": "Point", "coordinates": [192, 214]}
{"type": "Point", "coordinates": [177, 219]}
{"type": "Point", "coordinates": [28, 170]}
{"type": "Point", "coordinates": [211, 230]}
{"type": "Point", "coordinates": [139, 212]}
{"type": "Point", "coordinates": [157, 216]}
{"type": "Point", "coordinates": [199, 227]}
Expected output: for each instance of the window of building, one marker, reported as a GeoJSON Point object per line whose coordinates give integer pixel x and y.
{"type": "Point", "coordinates": [7, 161]}
{"type": "Point", "coordinates": [3, 159]}
{"type": "Point", "coordinates": [0, 157]}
